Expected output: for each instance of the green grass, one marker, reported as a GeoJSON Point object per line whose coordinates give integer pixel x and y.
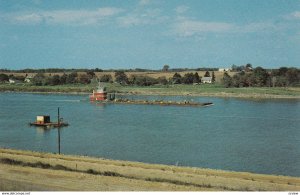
{"type": "Point", "coordinates": [208, 89]}
{"type": "Point", "coordinates": [204, 89]}
{"type": "Point", "coordinates": [59, 88]}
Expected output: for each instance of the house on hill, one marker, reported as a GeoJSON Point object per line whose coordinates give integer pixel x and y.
{"type": "Point", "coordinates": [28, 79]}
{"type": "Point", "coordinates": [206, 79]}
{"type": "Point", "coordinates": [13, 81]}
{"type": "Point", "coordinates": [224, 69]}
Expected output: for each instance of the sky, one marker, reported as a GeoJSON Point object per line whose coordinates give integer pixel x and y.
{"type": "Point", "coordinates": [119, 34]}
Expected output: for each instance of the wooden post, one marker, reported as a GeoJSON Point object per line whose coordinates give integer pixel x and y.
{"type": "Point", "coordinates": [58, 119]}
{"type": "Point", "coordinates": [58, 130]}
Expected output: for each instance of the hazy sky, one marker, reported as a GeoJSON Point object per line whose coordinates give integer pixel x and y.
{"type": "Point", "coordinates": [148, 33]}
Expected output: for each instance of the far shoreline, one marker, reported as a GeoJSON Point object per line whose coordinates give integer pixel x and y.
{"type": "Point", "coordinates": [217, 95]}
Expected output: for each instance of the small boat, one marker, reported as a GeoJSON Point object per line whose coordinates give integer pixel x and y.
{"type": "Point", "coordinates": [44, 121]}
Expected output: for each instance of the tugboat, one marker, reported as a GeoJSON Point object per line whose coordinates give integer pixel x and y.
{"type": "Point", "coordinates": [99, 95]}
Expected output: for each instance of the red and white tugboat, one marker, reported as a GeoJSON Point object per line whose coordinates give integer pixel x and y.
{"type": "Point", "coordinates": [100, 94]}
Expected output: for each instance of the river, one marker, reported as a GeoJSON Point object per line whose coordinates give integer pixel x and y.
{"type": "Point", "coordinates": [259, 136]}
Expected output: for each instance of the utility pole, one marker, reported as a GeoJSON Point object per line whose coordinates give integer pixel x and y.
{"type": "Point", "coordinates": [58, 130]}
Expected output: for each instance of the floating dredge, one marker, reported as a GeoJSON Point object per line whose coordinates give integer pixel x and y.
{"type": "Point", "coordinates": [44, 121]}
{"type": "Point", "coordinates": [100, 95]}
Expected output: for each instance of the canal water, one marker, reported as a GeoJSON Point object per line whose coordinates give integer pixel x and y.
{"type": "Point", "coordinates": [260, 136]}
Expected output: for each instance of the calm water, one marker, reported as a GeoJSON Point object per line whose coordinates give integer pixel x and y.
{"type": "Point", "coordinates": [234, 134]}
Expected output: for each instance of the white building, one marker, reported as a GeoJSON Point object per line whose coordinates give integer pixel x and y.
{"type": "Point", "coordinates": [14, 81]}
{"type": "Point", "coordinates": [206, 79]}
{"type": "Point", "coordinates": [224, 69]}
{"type": "Point", "coordinates": [28, 78]}
{"type": "Point", "coordinates": [11, 81]}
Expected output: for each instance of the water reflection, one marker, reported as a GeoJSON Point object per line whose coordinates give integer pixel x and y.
{"type": "Point", "coordinates": [42, 130]}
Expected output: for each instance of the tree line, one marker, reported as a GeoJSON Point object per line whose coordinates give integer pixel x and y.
{"type": "Point", "coordinates": [249, 77]}
{"type": "Point", "coordinates": [40, 79]}
{"type": "Point", "coordinates": [166, 68]}
{"type": "Point", "coordinates": [260, 77]}
{"type": "Point", "coordinates": [188, 78]}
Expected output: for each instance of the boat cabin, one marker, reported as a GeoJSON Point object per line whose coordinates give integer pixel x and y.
{"type": "Point", "coordinates": [43, 119]}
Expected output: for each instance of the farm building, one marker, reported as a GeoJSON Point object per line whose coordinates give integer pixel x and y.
{"type": "Point", "coordinates": [206, 79]}
{"type": "Point", "coordinates": [224, 69]}
{"type": "Point", "coordinates": [28, 78]}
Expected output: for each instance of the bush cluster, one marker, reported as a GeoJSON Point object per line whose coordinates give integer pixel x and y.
{"type": "Point", "coordinates": [40, 79]}
{"type": "Point", "coordinates": [260, 77]}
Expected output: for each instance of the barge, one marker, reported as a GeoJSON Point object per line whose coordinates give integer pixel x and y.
{"type": "Point", "coordinates": [101, 95]}
{"type": "Point", "coordinates": [44, 121]}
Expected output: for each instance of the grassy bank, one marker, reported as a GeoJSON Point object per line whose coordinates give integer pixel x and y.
{"type": "Point", "coordinates": [26, 170]}
{"type": "Point", "coordinates": [194, 90]}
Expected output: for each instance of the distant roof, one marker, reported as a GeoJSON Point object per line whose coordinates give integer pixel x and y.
{"type": "Point", "coordinates": [206, 78]}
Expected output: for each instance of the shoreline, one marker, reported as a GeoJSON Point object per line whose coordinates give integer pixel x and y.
{"type": "Point", "coordinates": [47, 171]}
{"type": "Point", "coordinates": [218, 94]}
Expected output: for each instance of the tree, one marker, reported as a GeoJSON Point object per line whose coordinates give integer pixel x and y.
{"type": "Point", "coordinates": [84, 79]}
{"type": "Point", "coordinates": [248, 67]}
{"type": "Point", "coordinates": [54, 80]}
{"type": "Point", "coordinates": [63, 79]}
{"type": "Point", "coordinates": [227, 80]}
{"type": "Point", "coordinates": [39, 79]}
{"type": "Point", "coordinates": [188, 78]}
{"type": "Point", "coordinates": [176, 79]}
{"type": "Point", "coordinates": [132, 79]}
{"type": "Point", "coordinates": [98, 70]}
{"type": "Point", "coordinates": [72, 78]}
{"type": "Point", "coordinates": [292, 76]}
{"type": "Point", "coordinates": [233, 67]}
{"type": "Point", "coordinates": [106, 78]}
{"type": "Point", "coordinates": [237, 80]}
{"type": "Point", "coordinates": [249, 80]}
{"type": "Point", "coordinates": [4, 78]}
{"type": "Point", "coordinates": [213, 77]}
{"type": "Point", "coordinates": [282, 71]}
{"type": "Point", "coordinates": [162, 80]}
{"type": "Point", "coordinates": [206, 74]}
{"type": "Point", "coordinates": [145, 81]}
{"type": "Point", "coordinates": [121, 77]}
{"type": "Point", "coordinates": [196, 78]}
{"type": "Point", "coordinates": [166, 68]}
{"type": "Point", "coordinates": [261, 76]}
{"type": "Point", "coordinates": [237, 68]}
{"type": "Point", "coordinates": [90, 73]}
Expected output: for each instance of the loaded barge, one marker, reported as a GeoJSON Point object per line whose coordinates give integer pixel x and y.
{"type": "Point", "coordinates": [101, 95]}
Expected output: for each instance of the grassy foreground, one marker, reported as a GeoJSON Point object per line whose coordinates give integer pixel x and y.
{"type": "Point", "coordinates": [33, 171]}
{"type": "Point", "coordinates": [216, 90]}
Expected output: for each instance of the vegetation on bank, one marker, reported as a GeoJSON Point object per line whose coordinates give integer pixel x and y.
{"type": "Point", "coordinates": [259, 77]}
{"type": "Point", "coordinates": [177, 89]}
{"type": "Point", "coordinates": [34, 170]}
{"type": "Point", "coordinates": [247, 82]}
{"type": "Point", "coordinates": [244, 76]}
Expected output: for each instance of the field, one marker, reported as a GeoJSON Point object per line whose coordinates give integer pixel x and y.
{"type": "Point", "coordinates": [168, 75]}
{"type": "Point", "coordinates": [33, 171]}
